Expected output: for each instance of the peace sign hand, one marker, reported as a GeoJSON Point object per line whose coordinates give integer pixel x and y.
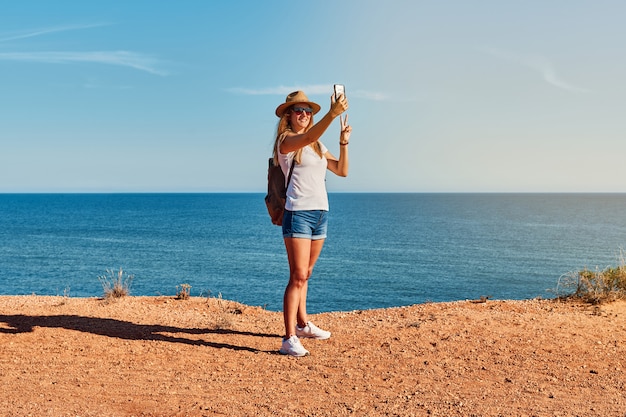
{"type": "Point", "coordinates": [346, 129]}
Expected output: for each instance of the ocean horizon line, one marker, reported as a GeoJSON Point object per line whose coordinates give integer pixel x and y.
{"type": "Point", "coordinates": [329, 192]}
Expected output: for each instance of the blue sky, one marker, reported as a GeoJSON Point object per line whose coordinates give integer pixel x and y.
{"type": "Point", "coordinates": [454, 96]}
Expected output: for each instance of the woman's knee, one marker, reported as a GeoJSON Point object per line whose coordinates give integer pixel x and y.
{"type": "Point", "coordinates": [299, 279]}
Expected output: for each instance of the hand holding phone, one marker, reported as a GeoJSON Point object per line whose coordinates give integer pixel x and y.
{"type": "Point", "coordinates": [340, 89]}
{"type": "Point", "coordinates": [336, 106]}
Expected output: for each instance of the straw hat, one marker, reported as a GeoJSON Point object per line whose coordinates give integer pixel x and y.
{"type": "Point", "coordinates": [294, 98]}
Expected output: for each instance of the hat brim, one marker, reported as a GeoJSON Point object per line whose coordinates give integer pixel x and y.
{"type": "Point", "coordinates": [280, 110]}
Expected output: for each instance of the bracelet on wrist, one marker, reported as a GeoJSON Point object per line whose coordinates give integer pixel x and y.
{"type": "Point", "coordinates": [343, 143]}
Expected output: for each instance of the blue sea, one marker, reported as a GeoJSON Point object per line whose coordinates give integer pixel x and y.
{"type": "Point", "coordinates": [383, 250]}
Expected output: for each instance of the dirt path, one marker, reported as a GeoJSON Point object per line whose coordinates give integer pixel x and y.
{"type": "Point", "coordinates": [156, 356]}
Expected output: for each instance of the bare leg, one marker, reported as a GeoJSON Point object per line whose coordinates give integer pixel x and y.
{"type": "Point", "coordinates": [302, 255]}
{"type": "Point", "coordinates": [316, 249]}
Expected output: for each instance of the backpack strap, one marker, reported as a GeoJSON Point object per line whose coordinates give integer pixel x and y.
{"type": "Point", "coordinates": [293, 161]}
{"type": "Point", "coordinates": [293, 164]}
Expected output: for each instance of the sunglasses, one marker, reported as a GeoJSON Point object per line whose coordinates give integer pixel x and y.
{"type": "Point", "coordinates": [300, 110]}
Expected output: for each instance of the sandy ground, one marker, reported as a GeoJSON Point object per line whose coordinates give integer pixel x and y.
{"type": "Point", "coordinates": [157, 356]}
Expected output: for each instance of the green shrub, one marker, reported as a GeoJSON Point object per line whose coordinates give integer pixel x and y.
{"type": "Point", "coordinates": [596, 287]}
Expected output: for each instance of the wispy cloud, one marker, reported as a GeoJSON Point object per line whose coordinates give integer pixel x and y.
{"type": "Point", "coordinates": [539, 65]}
{"type": "Point", "coordinates": [121, 58]}
{"type": "Point", "coordinates": [44, 31]}
{"type": "Point", "coordinates": [282, 90]}
{"type": "Point", "coordinates": [371, 95]}
{"type": "Point", "coordinates": [311, 89]}
{"type": "Point", "coordinates": [138, 61]}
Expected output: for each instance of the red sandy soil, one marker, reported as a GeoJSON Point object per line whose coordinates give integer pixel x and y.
{"type": "Point", "coordinates": [157, 356]}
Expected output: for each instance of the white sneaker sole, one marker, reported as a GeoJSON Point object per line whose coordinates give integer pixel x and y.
{"type": "Point", "coordinates": [295, 356]}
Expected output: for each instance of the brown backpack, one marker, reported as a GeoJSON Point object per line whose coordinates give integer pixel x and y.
{"type": "Point", "coordinates": [277, 191]}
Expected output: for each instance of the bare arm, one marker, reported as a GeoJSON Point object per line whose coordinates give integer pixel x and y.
{"type": "Point", "coordinates": [340, 166]}
{"type": "Point", "coordinates": [295, 141]}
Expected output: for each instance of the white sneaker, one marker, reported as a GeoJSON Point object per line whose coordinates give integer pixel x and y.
{"type": "Point", "coordinates": [293, 347]}
{"type": "Point", "coordinates": [312, 332]}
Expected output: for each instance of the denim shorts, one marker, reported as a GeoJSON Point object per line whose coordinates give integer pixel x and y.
{"type": "Point", "coordinates": [305, 224]}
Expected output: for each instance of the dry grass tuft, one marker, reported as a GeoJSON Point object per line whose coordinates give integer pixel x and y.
{"type": "Point", "coordinates": [116, 284]}
{"type": "Point", "coordinates": [183, 291]}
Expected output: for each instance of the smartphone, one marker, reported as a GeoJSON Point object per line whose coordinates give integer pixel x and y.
{"type": "Point", "coordinates": [339, 90]}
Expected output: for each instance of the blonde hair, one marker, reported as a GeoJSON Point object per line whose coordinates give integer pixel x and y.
{"type": "Point", "coordinates": [284, 125]}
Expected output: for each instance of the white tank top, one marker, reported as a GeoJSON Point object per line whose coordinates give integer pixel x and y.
{"type": "Point", "coordinates": [307, 188]}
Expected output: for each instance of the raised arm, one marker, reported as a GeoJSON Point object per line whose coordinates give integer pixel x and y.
{"type": "Point", "coordinates": [294, 141]}
{"type": "Point", "coordinates": [340, 166]}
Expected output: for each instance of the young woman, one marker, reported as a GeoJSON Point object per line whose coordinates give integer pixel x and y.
{"type": "Point", "coordinates": [306, 209]}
